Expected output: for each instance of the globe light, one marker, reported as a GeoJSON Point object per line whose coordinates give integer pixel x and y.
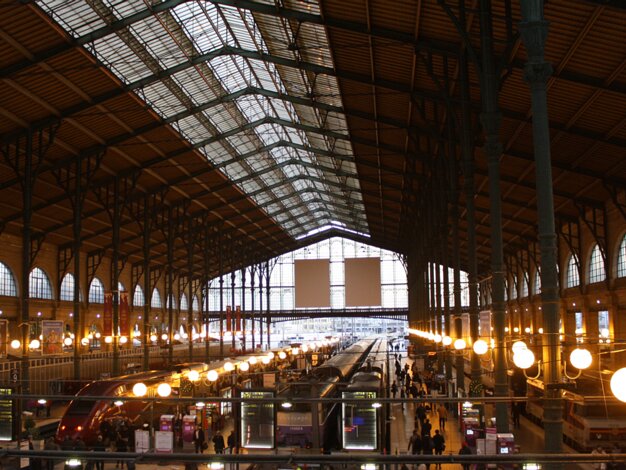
{"type": "Point", "coordinates": [212, 375]}
{"type": "Point", "coordinates": [84, 341]}
{"type": "Point", "coordinates": [270, 355]}
{"type": "Point", "coordinates": [253, 360]}
{"type": "Point", "coordinates": [153, 338]}
{"type": "Point", "coordinates": [459, 344]}
{"type": "Point", "coordinates": [518, 346]}
{"type": "Point", "coordinates": [604, 332]}
{"type": "Point", "coordinates": [580, 358]}
{"type": "Point", "coordinates": [108, 339]}
{"type": "Point", "coordinates": [282, 355]}
{"type": "Point", "coordinates": [16, 344]}
{"type": "Point", "coordinates": [480, 347]}
{"type": "Point", "coordinates": [524, 358]}
{"type": "Point", "coordinates": [98, 335]}
{"type": "Point", "coordinates": [229, 367]}
{"type": "Point", "coordinates": [446, 341]}
{"type": "Point", "coordinates": [244, 366]}
{"type": "Point", "coordinates": [295, 351]}
{"type": "Point", "coordinates": [176, 336]}
{"type": "Point", "coordinates": [305, 348]}
{"type": "Point", "coordinates": [164, 337]}
{"type": "Point", "coordinates": [618, 384]}
{"type": "Point", "coordinates": [67, 341]}
{"type": "Point", "coordinates": [123, 339]}
{"type": "Point", "coordinates": [140, 389]}
{"type": "Point", "coordinates": [118, 402]}
{"type": "Point", "coordinates": [540, 331]}
{"type": "Point", "coordinates": [527, 330]}
{"type": "Point", "coordinates": [164, 390]}
{"type": "Point", "coordinates": [193, 375]}
{"type": "Point", "coordinates": [437, 338]}
{"type": "Point", "coordinates": [516, 330]}
{"type": "Point", "coordinates": [265, 360]}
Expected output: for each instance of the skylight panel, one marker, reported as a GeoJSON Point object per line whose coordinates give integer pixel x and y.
{"type": "Point", "coordinates": [114, 53]}
{"type": "Point", "coordinates": [250, 108]}
{"type": "Point", "coordinates": [76, 18]}
{"type": "Point", "coordinates": [241, 143]}
{"type": "Point", "coordinates": [161, 99]}
{"type": "Point", "coordinates": [162, 47]}
{"type": "Point", "coordinates": [203, 26]}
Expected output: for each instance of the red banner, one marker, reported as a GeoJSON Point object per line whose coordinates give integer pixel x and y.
{"type": "Point", "coordinates": [124, 315]}
{"type": "Point", "coordinates": [229, 322]}
{"type": "Point", "coordinates": [107, 315]}
{"type": "Point", "coordinates": [238, 318]}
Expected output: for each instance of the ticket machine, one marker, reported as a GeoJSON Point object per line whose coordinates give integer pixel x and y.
{"type": "Point", "coordinates": [505, 443]}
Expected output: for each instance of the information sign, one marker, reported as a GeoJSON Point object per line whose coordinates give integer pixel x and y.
{"type": "Point", "coordinates": [164, 442]}
{"type": "Point", "coordinates": [360, 421]}
{"type": "Point", "coordinates": [6, 415]}
{"type": "Point", "coordinates": [142, 441]}
{"type": "Point", "coordinates": [257, 421]}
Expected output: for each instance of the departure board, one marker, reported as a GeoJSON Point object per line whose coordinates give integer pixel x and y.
{"type": "Point", "coordinates": [359, 421]}
{"type": "Point", "coordinates": [257, 421]}
{"type": "Point", "coordinates": [6, 415]}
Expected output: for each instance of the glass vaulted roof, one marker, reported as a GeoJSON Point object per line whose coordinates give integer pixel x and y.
{"type": "Point", "coordinates": [273, 130]}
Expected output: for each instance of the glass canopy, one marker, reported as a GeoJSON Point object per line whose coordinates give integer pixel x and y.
{"type": "Point", "coordinates": [228, 81]}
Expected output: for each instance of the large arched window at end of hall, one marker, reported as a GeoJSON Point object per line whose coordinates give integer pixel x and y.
{"type": "Point", "coordinates": [572, 278]}
{"type": "Point", "coordinates": [537, 287]}
{"type": "Point", "coordinates": [184, 305]}
{"type": "Point", "coordinates": [39, 285]}
{"type": "Point", "coordinates": [7, 282]}
{"type": "Point", "coordinates": [524, 285]}
{"type": "Point", "coordinates": [66, 292]}
{"type": "Point", "coordinates": [96, 291]}
{"type": "Point", "coordinates": [138, 298]}
{"type": "Point", "coordinates": [155, 301]}
{"type": "Point", "coordinates": [597, 271]}
{"type": "Point", "coordinates": [621, 258]}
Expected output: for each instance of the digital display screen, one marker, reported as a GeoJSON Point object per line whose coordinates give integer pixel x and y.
{"type": "Point", "coordinates": [360, 421]}
{"type": "Point", "coordinates": [469, 432]}
{"type": "Point", "coordinates": [504, 450]}
{"type": "Point", "coordinates": [257, 421]}
{"type": "Point", "coordinates": [6, 415]}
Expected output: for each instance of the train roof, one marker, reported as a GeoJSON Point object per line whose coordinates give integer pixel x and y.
{"type": "Point", "coordinates": [365, 380]}
{"type": "Point", "coordinates": [344, 361]}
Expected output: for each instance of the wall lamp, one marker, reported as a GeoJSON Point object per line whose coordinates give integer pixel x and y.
{"type": "Point", "coordinates": [524, 358]}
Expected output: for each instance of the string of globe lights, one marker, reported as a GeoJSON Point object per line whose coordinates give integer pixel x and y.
{"type": "Point", "coordinates": [524, 358]}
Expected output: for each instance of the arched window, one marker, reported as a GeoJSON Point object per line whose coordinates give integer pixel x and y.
{"type": "Point", "coordinates": [170, 302]}
{"type": "Point", "coordinates": [155, 301]}
{"type": "Point", "coordinates": [67, 288]}
{"type": "Point", "coordinates": [120, 287]}
{"type": "Point", "coordinates": [572, 279]}
{"type": "Point", "coordinates": [39, 285]}
{"type": "Point", "coordinates": [621, 258]}
{"type": "Point", "coordinates": [537, 288]}
{"type": "Point", "coordinates": [195, 304]}
{"type": "Point", "coordinates": [524, 285]}
{"type": "Point", "coordinates": [7, 282]}
{"type": "Point", "coordinates": [184, 305]}
{"type": "Point", "coordinates": [138, 298]}
{"type": "Point", "coordinates": [514, 288]}
{"type": "Point", "coordinates": [597, 273]}
{"type": "Point", "coordinates": [506, 290]}
{"type": "Point", "coordinates": [96, 291]}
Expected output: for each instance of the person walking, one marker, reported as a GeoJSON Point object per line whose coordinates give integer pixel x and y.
{"type": "Point", "coordinates": [198, 439]}
{"type": "Point", "coordinates": [426, 428]}
{"type": "Point", "coordinates": [415, 443]}
{"type": "Point", "coordinates": [99, 446]}
{"type": "Point", "coordinates": [394, 389]}
{"type": "Point", "coordinates": [439, 444]}
{"type": "Point", "coordinates": [218, 443]}
{"type": "Point", "coordinates": [442, 411]}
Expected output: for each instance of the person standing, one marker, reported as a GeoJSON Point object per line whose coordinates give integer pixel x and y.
{"type": "Point", "coordinates": [465, 450]}
{"type": "Point", "coordinates": [394, 389]}
{"type": "Point", "coordinates": [99, 446]}
{"type": "Point", "coordinates": [231, 442]}
{"type": "Point", "coordinates": [415, 443]}
{"type": "Point", "coordinates": [600, 452]}
{"type": "Point", "coordinates": [218, 443]}
{"type": "Point", "coordinates": [198, 439]}
{"type": "Point", "coordinates": [442, 411]}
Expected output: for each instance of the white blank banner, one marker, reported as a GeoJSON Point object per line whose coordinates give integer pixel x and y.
{"type": "Point", "coordinates": [312, 278]}
{"type": "Point", "coordinates": [362, 282]}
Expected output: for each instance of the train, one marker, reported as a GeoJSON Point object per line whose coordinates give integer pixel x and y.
{"type": "Point", "coordinates": [311, 424]}
{"type": "Point", "coordinates": [361, 418]}
{"type": "Point", "coordinates": [589, 419]}
{"type": "Point", "coordinates": [107, 401]}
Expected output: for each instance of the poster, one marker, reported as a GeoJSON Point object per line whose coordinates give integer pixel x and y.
{"type": "Point", "coordinates": [124, 314]}
{"type": "Point", "coordinates": [164, 442]}
{"type": "Point", "coordinates": [142, 441]}
{"type": "Point", "coordinates": [238, 318]}
{"type": "Point", "coordinates": [52, 333]}
{"type": "Point", "coordinates": [229, 323]}
{"type": "Point", "coordinates": [107, 314]}
{"type": "Point", "coordinates": [4, 331]}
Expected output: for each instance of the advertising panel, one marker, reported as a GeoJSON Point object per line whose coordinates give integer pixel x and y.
{"type": "Point", "coordinates": [107, 314]}
{"type": "Point", "coordinates": [52, 334]}
{"type": "Point", "coordinates": [124, 314]}
{"type": "Point", "coordinates": [360, 430]}
{"type": "Point", "coordinates": [238, 318]}
{"type": "Point", "coordinates": [229, 320]}
{"type": "Point", "coordinates": [4, 337]}
{"type": "Point", "coordinates": [257, 421]}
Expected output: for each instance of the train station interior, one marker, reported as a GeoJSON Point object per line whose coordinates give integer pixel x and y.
{"type": "Point", "coordinates": [307, 227]}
